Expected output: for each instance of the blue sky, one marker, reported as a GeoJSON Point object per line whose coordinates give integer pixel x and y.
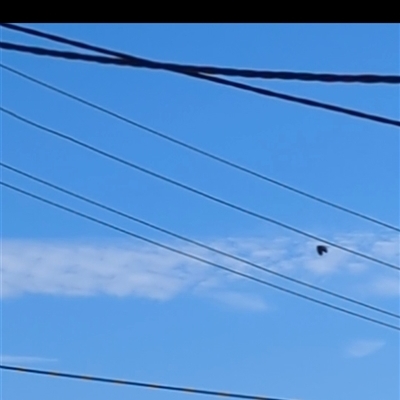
{"type": "Point", "coordinates": [81, 298]}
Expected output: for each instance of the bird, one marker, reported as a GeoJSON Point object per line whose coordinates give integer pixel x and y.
{"type": "Point", "coordinates": [321, 249]}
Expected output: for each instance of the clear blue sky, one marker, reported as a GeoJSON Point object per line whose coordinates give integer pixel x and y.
{"type": "Point", "coordinates": [81, 298]}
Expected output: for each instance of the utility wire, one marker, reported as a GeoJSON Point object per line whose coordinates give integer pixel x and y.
{"type": "Point", "coordinates": [197, 149]}
{"type": "Point", "coordinates": [237, 85]}
{"type": "Point", "coordinates": [212, 70]}
{"type": "Point", "coordinates": [134, 61]}
{"type": "Point", "coordinates": [197, 258]}
{"type": "Point", "coordinates": [191, 241]}
{"type": "Point", "coordinates": [146, 385]}
{"type": "Point", "coordinates": [193, 190]}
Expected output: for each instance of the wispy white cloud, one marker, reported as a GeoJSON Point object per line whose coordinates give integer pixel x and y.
{"type": "Point", "coordinates": [126, 269]}
{"type": "Point", "coordinates": [387, 247]}
{"type": "Point", "coordinates": [241, 301]}
{"type": "Point", "coordinates": [386, 286]}
{"type": "Point", "coordinates": [363, 348]}
{"type": "Point", "coordinates": [21, 360]}
{"type": "Point", "coordinates": [90, 269]}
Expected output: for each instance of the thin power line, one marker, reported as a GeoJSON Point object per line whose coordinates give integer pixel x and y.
{"type": "Point", "coordinates": [212, 70]}
{"type": "Point", "coordinates": [191, 241]}
{"type": "Point", "coordinates": [196, 258]}
{"type": "Point", "coordinates": [135, 61]}
{"type": "Point", "coordinates": [198, 150]}
{"type": "Point", "coordinates": [146, 385]}
{"type": "Point", "coordinates": [193, 190]}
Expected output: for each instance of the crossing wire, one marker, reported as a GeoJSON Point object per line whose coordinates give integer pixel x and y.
{"type": "Point", "coordinates": [135, 61]}
{"type": "Point", "coordinates": [212, 70]}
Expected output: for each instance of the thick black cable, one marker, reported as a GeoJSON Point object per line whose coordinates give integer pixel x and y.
{"type": "Point", "coordinates": [146, 385]}
{"type": "Point", "coordinates": [211, 70]}
{"type": "Point", "coordinates": [197, 149]}
{"type": "Point", "coordinates": [196, 243]}
{"type": "Point", "coordinates": [135, 61]}
{"type": "Point", "coordinates": [193, 190]}
{"type": "Point", "coordinates": [194, 257]}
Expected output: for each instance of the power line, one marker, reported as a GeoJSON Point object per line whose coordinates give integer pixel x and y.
{"type": "Point", "coordinates": [135, 61]}
{"type": "Point", "coordinates": [237, 85]}
{"type": "Point", "coordinates": [199, 150]}
{"type": "Point", "coordinates": [197, 258]}
{"type": "Point", "coordinates": [194, 190]}
{"type": "Point", "coordinates": [212, 70]}
{"type": "Point", "coordinates": [146, 385]}
{"type": "Point", "coordinates": [191, 241]}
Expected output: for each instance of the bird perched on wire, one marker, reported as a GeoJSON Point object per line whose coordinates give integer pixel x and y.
{"type": "Point", "coordinates": [321, 249]}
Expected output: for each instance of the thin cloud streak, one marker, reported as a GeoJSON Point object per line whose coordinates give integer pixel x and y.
{"type": "Point", "coordinates": [364, 348]}
{"type": "Point", "coordinates": [126, 269]}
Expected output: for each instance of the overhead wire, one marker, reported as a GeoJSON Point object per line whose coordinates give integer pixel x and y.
{"type": "Point", "coordinates": [196, 258]}
{"type": "Point", "coordinates": [194, 242]}
{"type": "Point", "coordinates": [135, 61]}
{"type": "Point", "coordinates": [192, 189]}
{"type": "Point", "coordinates": [212, 70]}
{"type": "Point", "coordinates": [198, 150]}
{"type": "Point", "coordinates": [146, 385]}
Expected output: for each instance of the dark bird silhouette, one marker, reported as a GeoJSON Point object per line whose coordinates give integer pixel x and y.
{"type": "Point", "coordinates": [321, 249]}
